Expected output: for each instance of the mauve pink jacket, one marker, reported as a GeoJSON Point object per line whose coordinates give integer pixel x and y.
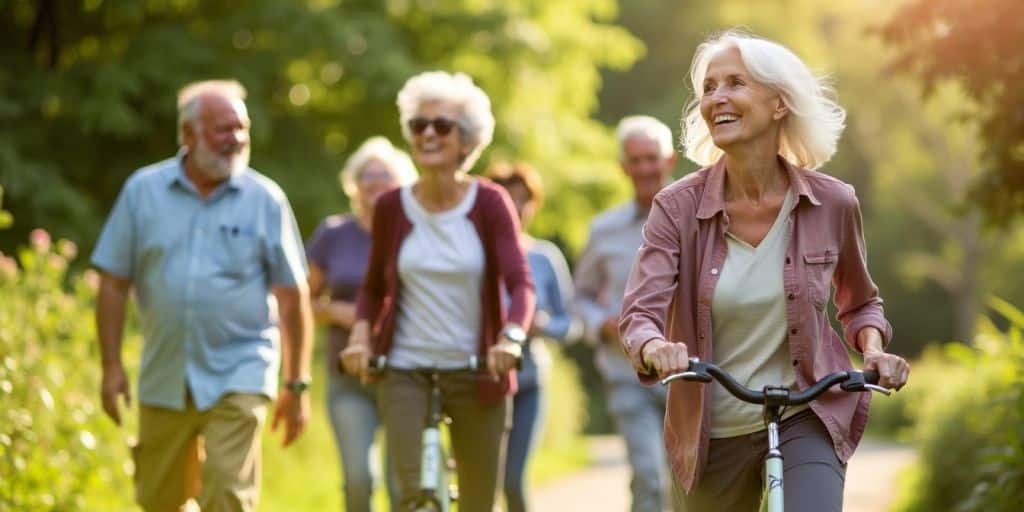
{"type": "Point", "coordinates": [669, 292]}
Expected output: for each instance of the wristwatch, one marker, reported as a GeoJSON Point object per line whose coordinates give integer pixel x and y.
{"type": "Point", "coordinates": [515, 334]}
{"type": "Point", "coordinates": [297, 386]}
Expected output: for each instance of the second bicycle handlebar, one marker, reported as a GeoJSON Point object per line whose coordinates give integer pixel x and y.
{"type": "Point", "coordinates": [852, 380]}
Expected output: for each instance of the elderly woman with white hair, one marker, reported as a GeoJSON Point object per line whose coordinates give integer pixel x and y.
{"type": "Point", "coordinates": [444, 252]}
{"type": "Point", "coordinates": [338, 253]}
{"type": "Point", "coordinates": [737, 266]}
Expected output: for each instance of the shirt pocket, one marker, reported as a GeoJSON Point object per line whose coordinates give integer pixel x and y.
{"type": "Point", "coordinates": [819, 267]}
{"type": "Point", "coordinates": [237, 251]}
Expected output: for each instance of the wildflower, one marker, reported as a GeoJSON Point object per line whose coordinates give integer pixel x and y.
{"type": "Point", "coordinates": [40, 240]}
{"type": "Point", "coordinates": [67, 248]}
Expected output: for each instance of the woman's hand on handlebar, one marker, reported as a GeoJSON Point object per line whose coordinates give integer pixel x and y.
{"type": "Point", "coordinates": [892, 369]}
{"type": "Point", "coordinates": [665, 358]}
{"type": "Point", "coordinates": [503, 357]}
{"type": "Point", "coordinates": [356, 356]}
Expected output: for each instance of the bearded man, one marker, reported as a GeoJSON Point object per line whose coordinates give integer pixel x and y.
{"type": "Point", "coordinates": [214, 254]}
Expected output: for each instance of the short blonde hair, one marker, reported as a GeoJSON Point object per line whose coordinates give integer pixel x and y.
{"type": "Point", "coordinates": [811, 129]}
{"type": "Point", "coordinates": [380, 149]}
{"type": "Point", "coordinates": [189, 96]}
{"type": "Point", "coordinates": [475, 120]}
{"type": "Point", "coordinates": [646, 127]}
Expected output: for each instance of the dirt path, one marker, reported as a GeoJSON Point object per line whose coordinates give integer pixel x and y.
{"type": "Point", "coordinates": [604, 486]}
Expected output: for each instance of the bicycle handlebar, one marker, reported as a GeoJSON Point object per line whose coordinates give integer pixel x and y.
{"type": "Point", "coordinates": [851, 381]}
{"type": "Point", "coordinates": [380, 363]}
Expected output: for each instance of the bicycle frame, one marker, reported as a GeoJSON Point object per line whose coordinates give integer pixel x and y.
{"type": "Point", "coordinates": [435, 493]}
{"type": "Point", "coordinates": [772, 497]}
{"type": "Point", "coordinates": [775, 399]}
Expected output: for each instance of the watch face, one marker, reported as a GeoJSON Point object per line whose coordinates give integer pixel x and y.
{"type": "Point", "coordinates": [516, 334]}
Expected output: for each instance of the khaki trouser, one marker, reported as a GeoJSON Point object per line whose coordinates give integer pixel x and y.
{"type": "Point", "coordinates": [212, 455]}
{"type": "Point", "coordinates": [478, 432]}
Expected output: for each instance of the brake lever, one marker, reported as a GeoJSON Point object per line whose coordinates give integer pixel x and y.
{"type": "Point", "coordinates": [697, 372]}
{"type": "Point", "coordinates": [858, 382]}
{"type": "Point", "coordinates": [686, 376]}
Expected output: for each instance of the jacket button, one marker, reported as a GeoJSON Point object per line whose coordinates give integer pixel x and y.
{"type": "Point", "coordinates": [793, 330]}
{"type": "Point", "coordinates": [791, 296]}
{"type": "Point", "coordinates": [795, 362]}
{"type": "Point", "coordinates": [787, 260]}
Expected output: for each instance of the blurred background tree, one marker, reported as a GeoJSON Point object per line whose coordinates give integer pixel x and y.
{"type": "Point", "coordinates": [976, 43]}
{"type": "Point", "coordinates": [88, 92]}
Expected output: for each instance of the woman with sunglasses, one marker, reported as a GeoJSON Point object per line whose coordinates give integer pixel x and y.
{"type": "Point", "coordinates": [338, 252]}
{"type": "Point", "coordinates": [445, 252]}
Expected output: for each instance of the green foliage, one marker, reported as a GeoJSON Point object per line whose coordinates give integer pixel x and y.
{"type": "Point", "coordinates": [94, 98]}
{"type": "Point", "coordinates": [894, 416]}
{"type": "Point", "coordinates": [968, 410]}
{"type": "Point", "coordinates": [6, 219]}
{"type": "Point", "coordinates": [57, 450]}
{"type": "Point", "coordinates": [976, 44]}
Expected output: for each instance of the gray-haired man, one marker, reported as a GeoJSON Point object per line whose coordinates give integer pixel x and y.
{"type": "Point", "coordinates": [214, 253]}
{"type": "Point", "coordinates": [647, 157]}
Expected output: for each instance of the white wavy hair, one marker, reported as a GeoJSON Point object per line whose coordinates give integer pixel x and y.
{"type": "Point", "coordinates": [646, 127]}
{"type": "Point", "coordinates": [380, 149]}
{"type": "Point", "coordinates": [190, 95]}
{"type": "Point", "coordinates": [811, 129]}
{"type": "Point", "coordinates": [475, 120]}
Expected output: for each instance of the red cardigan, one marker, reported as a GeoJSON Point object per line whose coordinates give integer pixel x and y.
{"type": "Point", "coordinates": [493, 216]}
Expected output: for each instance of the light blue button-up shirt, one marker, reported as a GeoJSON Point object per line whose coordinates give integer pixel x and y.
{"type": "Point", "coordinates": [202, 271]}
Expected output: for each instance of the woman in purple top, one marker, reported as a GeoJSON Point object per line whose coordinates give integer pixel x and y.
{"type": "Point", "coordinates": [338, 253]}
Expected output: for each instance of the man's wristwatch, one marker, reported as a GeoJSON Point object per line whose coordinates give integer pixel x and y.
{"type": "Point", "coordinates": [297, 386]}
{"type": "Point", "coordinates": [515, 334]}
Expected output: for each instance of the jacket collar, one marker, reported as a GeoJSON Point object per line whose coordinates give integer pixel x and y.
{"type": "Point", "coordinates": [712, 200]}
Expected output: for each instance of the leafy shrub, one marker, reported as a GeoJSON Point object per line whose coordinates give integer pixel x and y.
{"type": "Point", "coordinates": [893, 417]}
{"type": "Point", "coordinates": [57, 450]}
{"type": "Point", "coordinates": [969, 424]}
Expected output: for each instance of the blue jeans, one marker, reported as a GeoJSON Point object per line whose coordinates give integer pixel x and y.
{"type": "Point", "coordinates": [639, 413]}
{"type": "Point", "coordinates": [352, 408]}
{"type": "Point", "coordinates": [527, 418]}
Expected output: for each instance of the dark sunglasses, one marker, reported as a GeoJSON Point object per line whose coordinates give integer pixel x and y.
{"type": "Point", "coordinates": [442, 125]}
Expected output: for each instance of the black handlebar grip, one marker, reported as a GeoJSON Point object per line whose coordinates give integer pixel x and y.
{"type": "Point", "coordinates": [870, 376]}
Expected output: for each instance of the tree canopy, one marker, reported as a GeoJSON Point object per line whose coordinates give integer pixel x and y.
{"type": "Point", "coordinates": [88, 92]}
{"type": "Point", "coordinates": [976, 43]}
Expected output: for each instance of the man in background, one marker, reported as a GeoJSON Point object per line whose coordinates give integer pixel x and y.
{"type": "Point", "coordinates": [213, 252]}
{"type": "Point", "coordinates": [647, 157]}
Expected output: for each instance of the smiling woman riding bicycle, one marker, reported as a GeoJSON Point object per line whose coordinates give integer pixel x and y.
{"type": "Point", "coordinates": [737, 266]}
{"type": "Point", "coordinates": [443, 251]}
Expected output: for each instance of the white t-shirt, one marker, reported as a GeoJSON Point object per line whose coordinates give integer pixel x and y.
{"type": "Point", "coordinates": [440, 266]}
{"type": "Point", "coordinates": [748, 317]}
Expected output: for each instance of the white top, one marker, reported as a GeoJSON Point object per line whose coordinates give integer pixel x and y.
{"type": "Point", "coordinates": [440, 266]}
{"type": "Point", "coordinates": [748, 316]}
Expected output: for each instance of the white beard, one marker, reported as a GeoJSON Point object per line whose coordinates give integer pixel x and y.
{"type": "Point", "coordinates": [217, 166]}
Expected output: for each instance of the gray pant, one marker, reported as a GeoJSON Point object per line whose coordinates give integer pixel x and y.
{"type": "Point", "coordinates": [813, 476]}
{"type": "Point", "coordinates": [352, 409]}
{"type": "Point", "coordinates": [639, 413]}
{"type": "Point", "coordinates": [478, 434]}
